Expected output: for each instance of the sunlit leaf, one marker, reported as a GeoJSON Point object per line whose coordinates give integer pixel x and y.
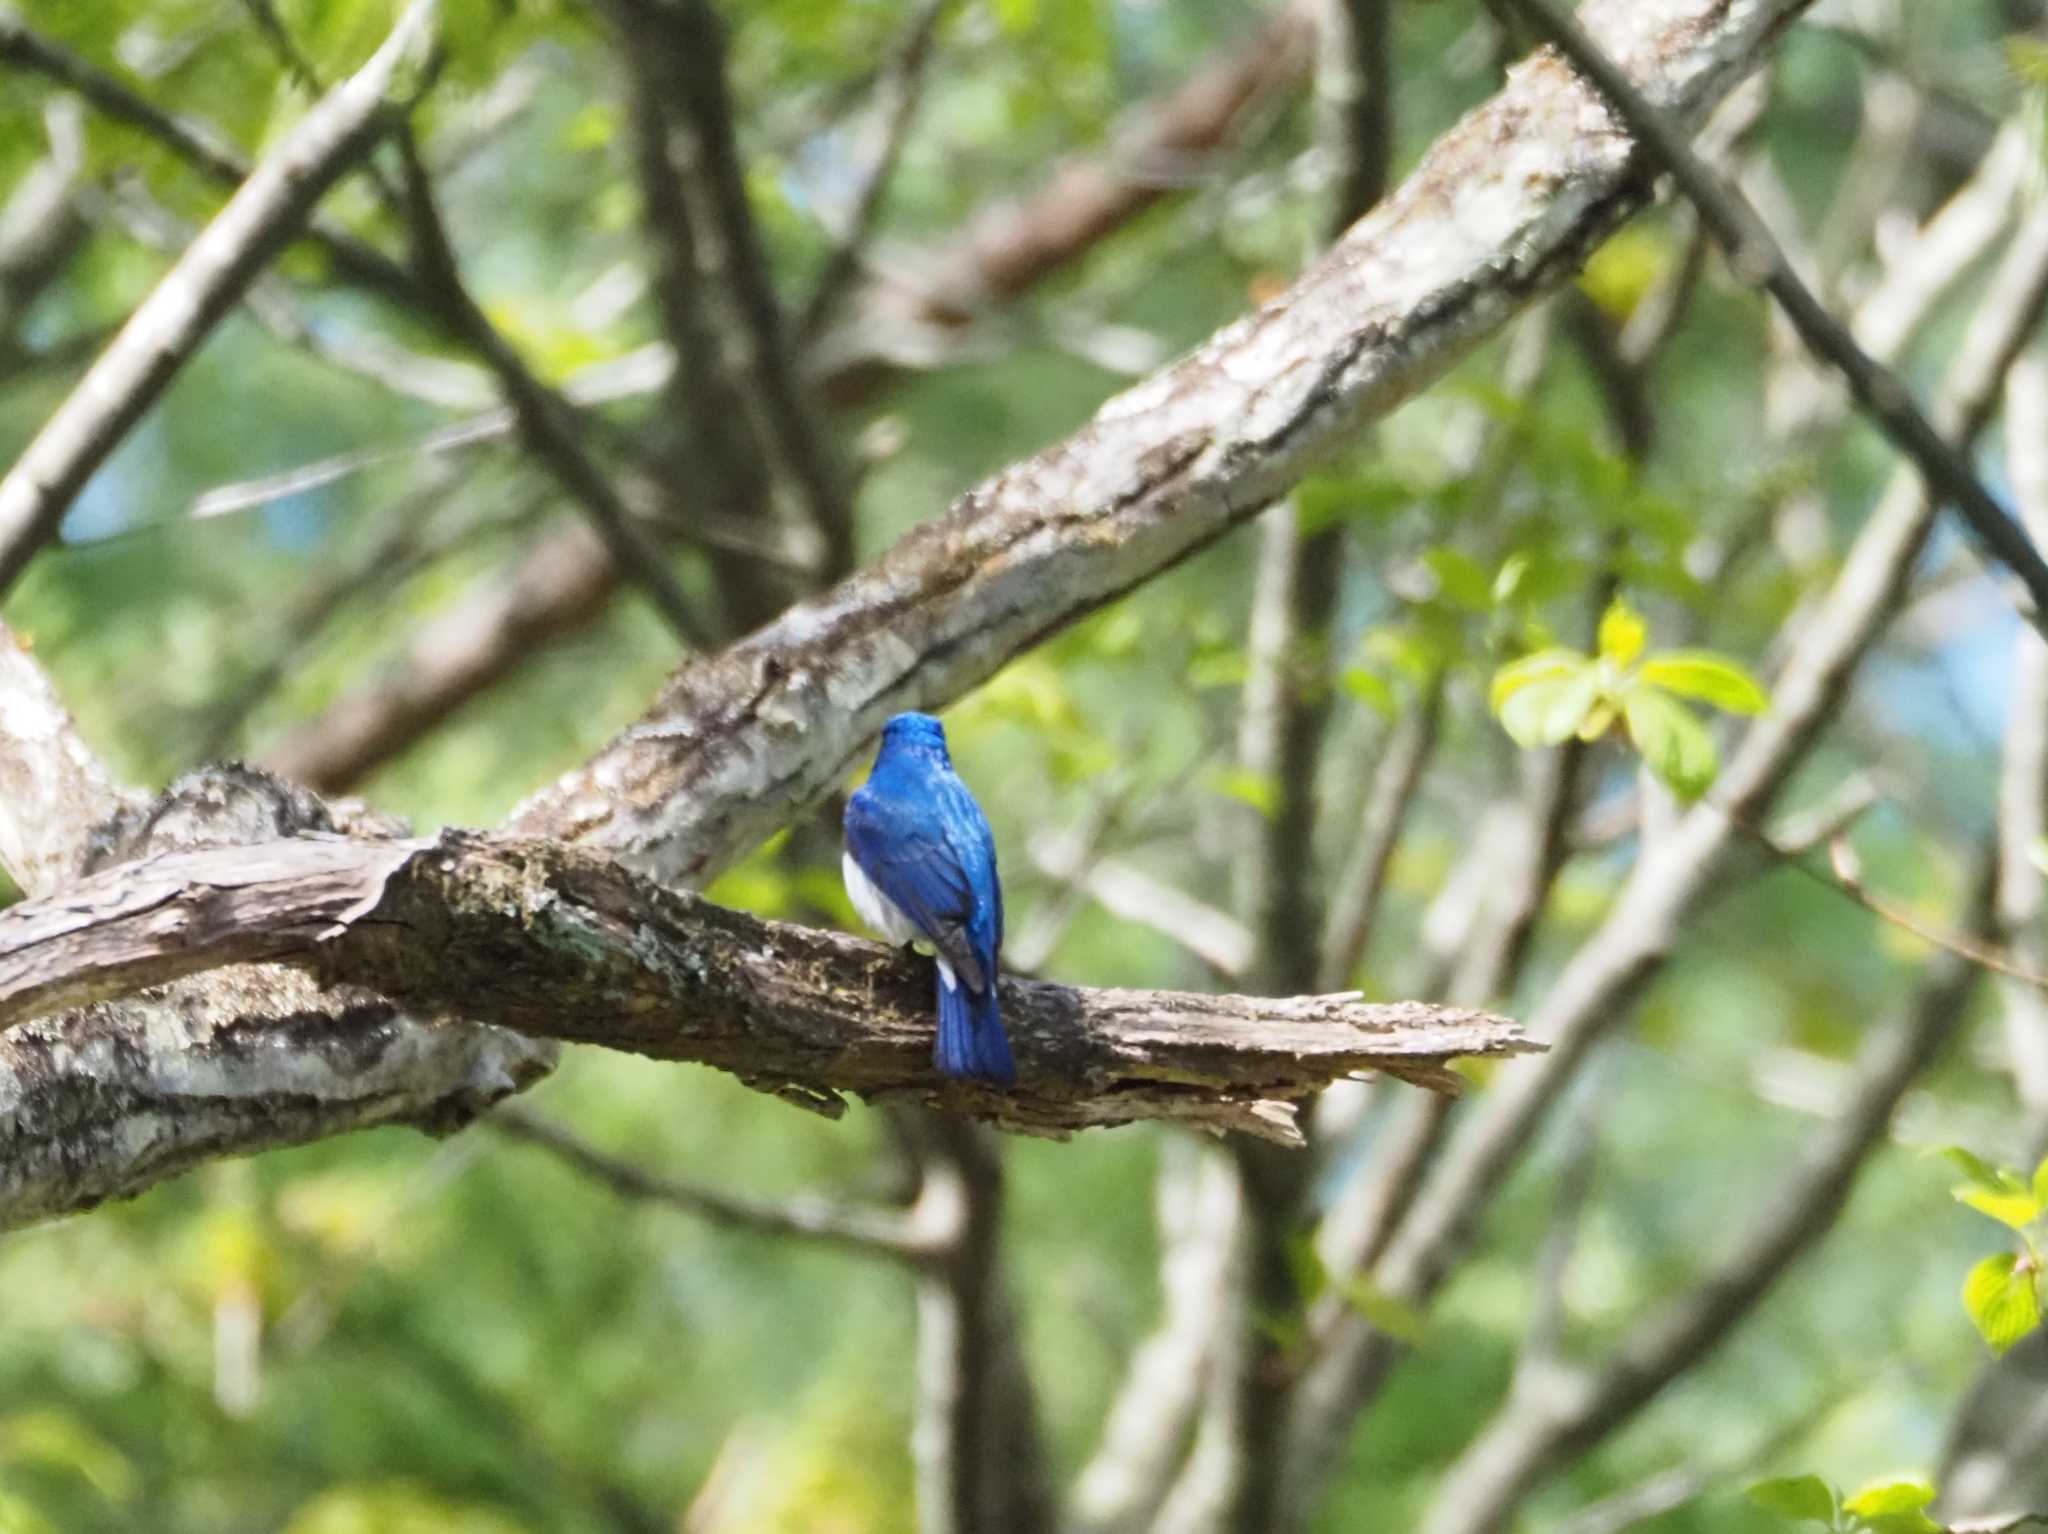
{"type": "Point", "coordinates": [1805, 1497]}
{"type": "Point", "coordinates": [1711, 678]}
{"type": "Point", "coordinates": [56, 1438]}
{"type": "Point", "coordinates": [1543, 666]}
{"type": "Point", "coordinates": [1889, 1497]}
{"type": "Point", "coordinates": [2002, 1300]}
{"type": "Point", "coordinates": [1995, 1191]}
{"type": "Point", "coordinates": [2041, 1182]}
{"type": "Point", "coordinates": [1371, 689]}
{"type": "Point", "coordinates": [1546, 708]}
{"type": "Point", "coordinates": [1672, 741]}
{"type": "Point", "coordinates": [2018, 1208]}
{"type": "Point", "coordinates": [1623, 633]}
{"type": "Point", "coordinates": [1400, 1319]}
{"type": "Point", "coordinates": [1247, 787]}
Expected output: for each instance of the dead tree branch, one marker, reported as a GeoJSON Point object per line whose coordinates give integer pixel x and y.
{"type": "Point", "coordinates": [562, 944]}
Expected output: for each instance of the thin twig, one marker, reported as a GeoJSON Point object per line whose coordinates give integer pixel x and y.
{"type": "Point", "coordinates": [196, 143]}
{"type": "Point", "coordinates": [885, 1232]}
{"type": "Point", "coordinates": [898, 88]}
{"type": "Point", "coordinates": [546, 423]}
{"type": "Point", "coordinates": [1756, 257]}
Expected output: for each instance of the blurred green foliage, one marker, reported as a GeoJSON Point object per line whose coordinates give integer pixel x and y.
{"type": "Point", "coordinates": [388, 1335]}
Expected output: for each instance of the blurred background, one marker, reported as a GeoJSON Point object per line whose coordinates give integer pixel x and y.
{"type": "Point", "coordinates": [329, 550]}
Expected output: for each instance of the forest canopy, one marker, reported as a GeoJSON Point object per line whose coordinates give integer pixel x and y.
{"type": "Point", "coordinates": [1484, 568]}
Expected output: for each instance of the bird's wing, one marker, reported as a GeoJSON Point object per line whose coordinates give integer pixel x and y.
{"type": "Point", "coordinates": [905, 851]}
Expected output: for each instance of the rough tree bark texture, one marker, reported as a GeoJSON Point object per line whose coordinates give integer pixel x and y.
{"type": "Point", "coordinates": [562, 944]}
{"type": "Point", "coordinates": [108, 1098]}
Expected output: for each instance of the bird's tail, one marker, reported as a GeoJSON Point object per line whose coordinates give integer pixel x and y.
{"type": "Point", "coordinates": [971, 1038]}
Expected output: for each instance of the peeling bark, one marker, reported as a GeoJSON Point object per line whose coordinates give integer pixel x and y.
{"type": "Point", "coordinates": [559, 944]}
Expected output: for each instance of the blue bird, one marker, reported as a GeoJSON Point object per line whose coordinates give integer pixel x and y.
{"type": "Point", "coordinates": [920, 866]}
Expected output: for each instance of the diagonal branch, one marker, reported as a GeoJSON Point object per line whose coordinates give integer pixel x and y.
{"type": "Point", "coordinates": [544, 419]}
{"type": "Point", "coordinates": [1504, 206]}
{"type": "Point", "coordinates": [896, 96]}
{"type": "Point", "coordinates": [1754, 255]}
{"type": "Point", "coordinates": [888, 1232]}
{"type": "Point", "coordinates": [565, 581]}
{"type": "Point", "coordinates": [1543, 1427]}
{"type": "Point", "coordinates": [194, 142]}
{"type": "Point", "coordinates": [206, 282]}
{"type": "Point", "coordinates": [1592, 992]}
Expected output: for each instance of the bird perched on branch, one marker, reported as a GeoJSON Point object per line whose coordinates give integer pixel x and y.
{"type": "Point", "coordinates": [920, 867]}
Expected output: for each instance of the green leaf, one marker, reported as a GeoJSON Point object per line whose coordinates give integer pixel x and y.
{"type": "Point", "coordinates": [1545, 710]}
{"type": "Point", "coordinates": [1995, 1191]}
{"type": "Point", "coordinates": [1459, 578]}
{"type": "Point", "coordinates": [2015, 1208]}
{"type": "Point", "coordinates": [2041, 1182]}
{"type": "Point", "coordinates": [1980, 1172]}
{"type": "Point", "coordinates": [2001, 1300]}
{"type": "Point", "coordinates": [1543, 666]}
{"type": "Point", "coordinates": [1597, 721]}
{"type": "Point", "coordinates": [1623, 633]}
{"type": "Point", "coordinates": [1371, 689]}
{"type": "Point", "coordinates": [1805, 1497]}
{"type": "Point", "coordinates": [1901, 1523]}
{"type": "Point", "coordinates": [1889, 1497]}
{"type": "Point", "coordinates": [1400, 1319]}
{"type": "Point", "coordinates": [1713, 679]}
{"type": "Point", "coordinates": [1248, 787]}
{"type": "Point", "coordinates": [1673, 742]}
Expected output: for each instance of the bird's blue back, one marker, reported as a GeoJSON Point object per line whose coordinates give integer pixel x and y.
{"type": "Point", "coordinates": [921, 838]}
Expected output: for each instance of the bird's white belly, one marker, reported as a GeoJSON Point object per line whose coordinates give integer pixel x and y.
{"type": "Point", "coordinates": [882, 913]}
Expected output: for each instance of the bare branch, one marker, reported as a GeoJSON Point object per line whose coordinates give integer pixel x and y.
{"type": "Point", "coordinates": [559, 944]}
{"type": "Point", "coordinates": [204, 284]}
{"type": "Point", "coordinates": [53, 787]}
{"type": "Point", "coordinates": [564, 582]}
{"type": "Point", "coordinates": [546, 424]}
{"type": "Point", "coordinates": [1590, 995]}
{"type": "Point", "coordinates": [1552, 1420]}
{"type": "Point", "coordinates": [980, 1462]}
{"type": "Point", "coordinates": [194, 142]}
{"type": "Point", "coordinates": [1124, 1484]}
{"type": "Point", "coordinates": [887, 1232]}
{"type": "Point", "coordinates": [1394, 781]}
{"type": "Point", "coordinates": [2023, 774]}
{"type": "Point", "coordinates": [1161, 470]}
{"type": "Point", "coordinates": [1755, 256]}
{"type": "Point", "coordinates": [1013, 246]}
{"type": "Point", "coordinates": [897, 89]}
{"type": "Point", "coordinates": [677, 48]}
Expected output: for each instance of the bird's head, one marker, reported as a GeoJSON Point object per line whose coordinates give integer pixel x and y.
{"type": "Point", "coordinates": [915, 732]}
